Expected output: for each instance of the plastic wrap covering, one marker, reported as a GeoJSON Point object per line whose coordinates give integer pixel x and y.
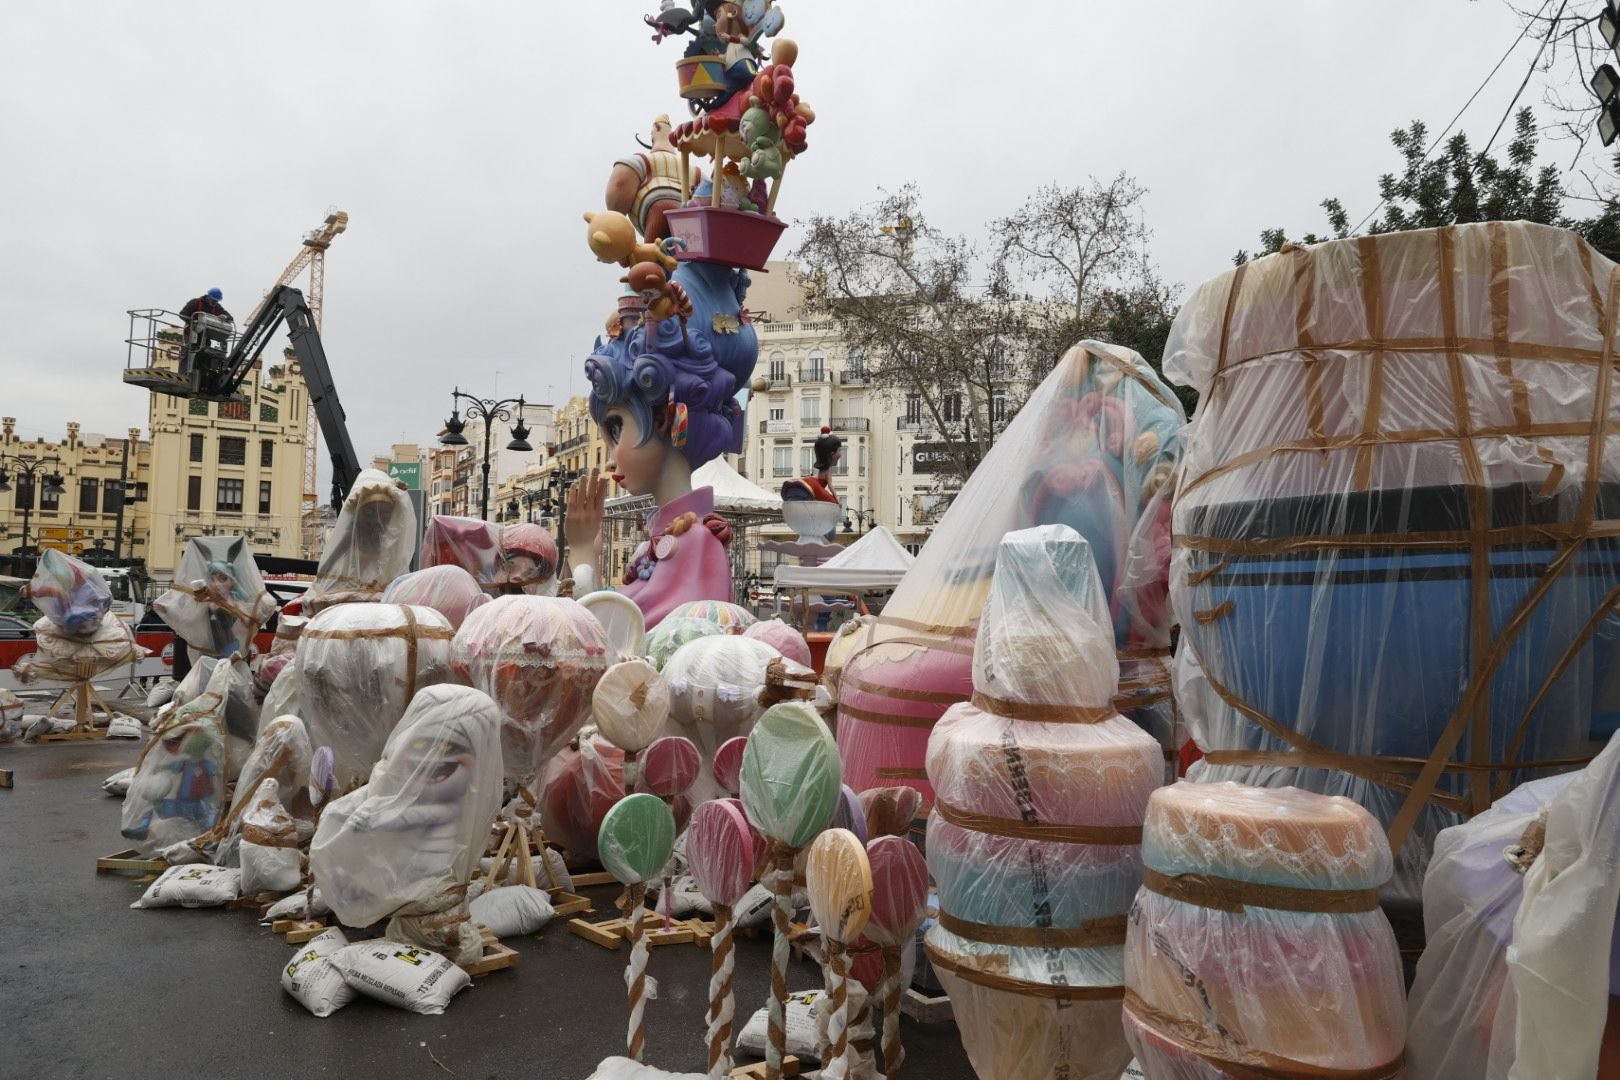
{"type": "Point", "coordinates": [359, 665]}
{"type": "Point", "coordinates": [449, 590]}
{"type": "Point", "coordinates": [849, 639]}
{"type": "Point", "coordinates": [1093, 448]}
{"type": "Point", "coordinates": [631, 704]}
{"type": "Point", "coordinates": [728, 617]}
{"type": "Point", "coordinates": [1395, 548]}
{"type": "Point", "coordinates": [70, 593]}
{"type": "Point", "coordinates": [540, 658]}
{"type": "Point", "coordinates": [531, 559]}
{"type": "Point", "coordinates": [636, 839]}
{"type": "Point", "coordinates": [1257, 942]}
{"type": "Point", "coordinates": [371, 544]}
{"type": "Point", "coordinates": [232, 683]}
{"type": "Point", "coordinates": [469, 543]}
{"type": "Point", "coordinates": [791, 776]}
{"type": "Point", "coordinates": [665, 639]}
{"type": "Point", "coordinates": [781, 637]}
{"type": "Point", "coordinates": [179, 788]}
{"type": "Point", "coordinates": [284, 697]}
{"type": "Point", "coordinates": [271, 862]}
{"type": "Point", "coordinates": [69, 657]}
{"type": "Point", "coordinates": [625, 625]}
{"type": "Point", "coordinates": [890, 811]}
{"type": "Point", "coordinates": [1034, 840]}
{"type": "Point", "coordinates": [267, 670]}
{"type": "Point", "coordinates": [218, 601]}
{"type": "Point", "coordinates": [282, 754]}
{"type": "Point", "coordinates": [406, 843]}
{"type": "Point", "coordinates": [579, 787]}
{"type": "Point", "coordinates": [718, 687]}
{"type": "Point", "coordinates": [288, 627]}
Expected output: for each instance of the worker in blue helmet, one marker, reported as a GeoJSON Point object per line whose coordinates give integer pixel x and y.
{"type": "Point", "coordinates": [209, 304]}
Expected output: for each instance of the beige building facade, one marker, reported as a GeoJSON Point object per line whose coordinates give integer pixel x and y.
{"type": "Point", "coordinates": [103, 509]}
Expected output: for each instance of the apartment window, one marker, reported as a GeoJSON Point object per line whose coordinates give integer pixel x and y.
{"type": "Point", "coordinates": [267, 453]}
{"type": "Point", "coordinates": [863, 459]}
{"type": "Point", "coordinates": [25, 492]}
{"type": "Point", "coordinates": [197, 407]}
{"type": "Point", "coordinates": [855, 363]}
{"type": "Point", "coordinates": [232, 451]}
{"type": "Point", "coordinates": [87, 495]}
{"type": "Point", "coordinates": [140, 491]}
{"type": "Point", "coordinates": [193, 493]}
{"type": "Point", "coordinates": [807, 460]}
{"type": "Point", "coordinates": [782, 460]}
{"type": "Point", "coordinates": [233, 410]}
{"type": "Point", "coordinates": [264, 497]}
{"type": "Point", "coordinates": [810, 412]}
{"type": "Point", "coordinates": [49, 502]}
{"type": "Point", "coordinates": [269, 414]}
{"type": "Point", "coordinates": [998, 406]}
{"type": "Point", "coordinates": [196, 448]}
{"type": "Point", "coordinates": [817, 366]}
{"type": "Point", "coordinates": [112, 496]}
{"type": "Point", "coordinates": [228, 496]}
{"type": "Point", "coordinates": [914, 408]}
{"type": "Point", "coordinates": [779, 414]}
{"type": "Point", "coordinates": [952, 409]}
{"type": "Point", "coordinates": [778, 367]}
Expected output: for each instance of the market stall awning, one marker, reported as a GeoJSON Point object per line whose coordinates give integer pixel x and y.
{"type": "Point", "coordinates": [875, 561]}
{"type": "Point", "coordinates": [733, 494]}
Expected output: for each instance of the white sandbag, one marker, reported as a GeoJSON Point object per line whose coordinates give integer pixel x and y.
{"type": "Point", "coordinates": [161, 694]}
{"type": "Point", "coordinates": [271, 862]}
{"type": "Point", "coordinates": [754, 909]}
{"type": "Point", "coordinates": [402, 975]}
{"type": "Point", "coordinates": [118, 783]}
{"type": "Point", "coordinates": [124, 726]}
{"type": "Point", "coordinates": [803, 1036]}
{"type": "Point", "coordinates": [622, 1068]}
{"type": "Point", "coordinates": [11, 713]}
{"type": "Point", "coordinates": [550, 871]}
{"type": "Point", "coordinates": [512, 910]}
{"type": "Point", "coordinates": [684, 898]}
{"type": "Point", "coordinates": [294, 906]}
{"type": "Point", "coordinates": [36, 727]}
{"type": "Point", "coordinates": [192, 887]}
{"type": "Point", "coordinates": [311, 977]}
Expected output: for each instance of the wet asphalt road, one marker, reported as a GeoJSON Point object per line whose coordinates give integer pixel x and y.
{"type": "Point", "coordinates": [90, 988]}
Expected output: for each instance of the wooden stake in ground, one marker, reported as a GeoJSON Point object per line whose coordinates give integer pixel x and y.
{"type": "Point", "coordinates": [790, 783]}
{"type": "Point", "coordinates": [899, 902]}
{"type": "Point", "coordinates": [635, 841]}
{"type": "Point", "coordinates": [840, 882]}
{"type": "Point", "coordinates": [720, 845]}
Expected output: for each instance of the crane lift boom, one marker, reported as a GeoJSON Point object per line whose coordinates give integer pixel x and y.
{"type": "Point", "coordinates": [212, 368]}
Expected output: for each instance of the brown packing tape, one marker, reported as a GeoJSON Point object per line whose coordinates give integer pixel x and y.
{"type": "Point", "coordinates": [1043, 714]}
{"type": "Point", "coordinates": [967, 968]}
{"type": "Point", "coordinates": [1092, 934]}
{"type": "Point", "coordinates": [1217, 1045]}
{"type": "Point", "coordinates": [1039, 831]}
{"type": "Point", "coordinates": [867, 716]}
{"type": "Point", "coordinates": [1231, 895]}
{"type": "Point", "coordinates": [955, 633]}
{"type": "Point", "coordinates": [933, 697]}
{"type": "Point", "coordinates": [1550, 533]}
{"type": "Point", "coordinates": [1219, 611]}
{"type": "Point", "coordinates": [899, 773]}
{"type": "Point", "coordinates": [1517, 350]}
{"type": "Point", "coordinates": [420, 632]}
{"type": "Point", "coordinates": [1372, 294]}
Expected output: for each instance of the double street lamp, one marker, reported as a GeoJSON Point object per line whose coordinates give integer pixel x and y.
{"type": "Point", "coordinates": [28, 469]}
{"type": "Point", "coordinates": [490, 411]}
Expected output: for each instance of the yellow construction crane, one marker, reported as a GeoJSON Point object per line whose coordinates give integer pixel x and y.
{"type": "Point", "coordinates": [313, 256]}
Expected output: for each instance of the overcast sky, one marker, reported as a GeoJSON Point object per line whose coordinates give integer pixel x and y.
{"type": "Point", "coordinates": [152, 150]}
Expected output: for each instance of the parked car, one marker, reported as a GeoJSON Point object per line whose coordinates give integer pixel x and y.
{"type": "Point", "coordinates": [15, 629]}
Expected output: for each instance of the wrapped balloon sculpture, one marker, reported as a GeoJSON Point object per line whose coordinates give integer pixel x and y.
{"type": "Point", "coordinates": [540, 658]}
{"type": "Point", "coordinates": [839, 879]}
{"type": "Point", "coordinates": [635, 843]}
{"type": "Point", "coordinates": [899, 902]}
{"type": "Point", "coordinates": [720, 848]}
{"type": "Point", "coordinates": [70, 593]}
{"type": "Point", "coordinates": [578, 787]}
{"type": "Point", "coordinates": [371, 544]}
{"type": "Point", "coordinates": [667, 638]}
{"type": "Point", "coordinates": [471, 544]}
{"type": "Point", "coordinates": [218, 601]}
{"type": "Point", "coordinates": [631, 705]}
{"type": "Point", "coordinates": [449, 590]}
{"type": "Point", "coordinates": [1396, 525]}
{"type": "Point", "coordinates": [406, 844]}
{"type": "Point", "coordinates": [178, 792]}
{"type": "Point", "coordinates": [1040, 789]}
{"type": "Point", "coordinates": [783, 638]}
{"type": "Point", "coordinates": [1256, 943]}
{"type": "Point", "coordinates": [530, 555]}
{"type": "Point", "coordinates": [719, 686]}
{"type": "Point", "coordinates": [360, 664]}
{"type": "Point", "coordinates": [730, 618]}
{"type": "Point", "coordinates": [1093, 449]}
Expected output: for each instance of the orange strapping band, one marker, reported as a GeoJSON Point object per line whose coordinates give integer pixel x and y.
{"type": "Point", "coordinates": [1041, 831]}
{"type": "Point", "coordinates": [962, 968]}
{"type": "Point", "coordinates": [932, 697]}
{"type": "Point", "coordinates": [867, 716]}
{"type": "Point", "coordinates": [1043, 714]}
{"type": "Point", "coordinates": [1092, 934]}
{"type": "Point", "coordinates": [1228, 894]}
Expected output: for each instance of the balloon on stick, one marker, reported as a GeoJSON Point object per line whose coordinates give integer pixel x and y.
{"type": "Point", "coordinates": [635, 841]}
{"type": "Point", "coordinates": [790, 781]}
{"type": "Point", "coordinates": [728, 764]}
{"type": "Point", "coordinates": [899, 904]}
{"type": "Point", "coordinates": [840, 882]}
{"type": "Point", "coordinates": [629, 706]}
{"type": "Point", "coordinates": [720, 846]}
{"type": "Point", "coordinates": [668, 768]}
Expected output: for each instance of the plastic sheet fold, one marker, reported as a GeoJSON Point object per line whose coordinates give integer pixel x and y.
{"type": "Point", "coordinates": [218, 601]}
{"type": "Point", "coordinates": [371, 544]}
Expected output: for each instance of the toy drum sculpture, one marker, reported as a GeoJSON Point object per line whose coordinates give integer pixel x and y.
{"type": "Point", "coordinates": [701, 76]}
{"type": "Point", "coordinates": [1257, 943]}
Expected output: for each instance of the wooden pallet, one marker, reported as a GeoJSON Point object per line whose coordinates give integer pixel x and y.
{"type": "Point", "coordinates": [586, 881]}
{"type": "Point", "coordinates": [924, 1009]}
{"type": "Point", "coordinates": [130, 862]}
{"type": "Point", "coordinates": [756, 1071]}
{"type": "Point", "coordinates": [298, 931]}
{"type": "Point", "coordinates": [615, 932]}
{"type": "Point", "coordinates": [564, 903]}
{"type": "Point", "coordinates": [497, 957]}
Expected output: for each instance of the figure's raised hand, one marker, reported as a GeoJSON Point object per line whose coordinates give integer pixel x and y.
{"type": "Point", "coordinates": [582, 524]}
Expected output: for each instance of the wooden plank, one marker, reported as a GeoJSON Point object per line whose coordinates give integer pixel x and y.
{"type": "Point", "coordinates": [75, 736]}
{"type": "Point", "coordinates": [756, 1071]}
{"type": "Point", "coordinates": [565, 903]}
{"type": "Point", "coordinates": [5, 778]}
{"type": "Point", "coordinates": [585, 881]}
{"type": "Point", "coordinates": [129, 861]}
{"type": "Point", "coordinates": [604, 934]}
{"type": "Point", "coordinates": [303, 931]}
{"type": "Point", "coordinates": [924, 1009]}
{"type": "Point", "coordinates": [496, 958]}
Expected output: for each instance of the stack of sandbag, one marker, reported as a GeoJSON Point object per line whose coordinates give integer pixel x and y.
{"type": "Point", "coordinates": [370, 545]}
{"type": "Point", "coordinates": [1256, 944]}
{"type": "Point", "coordinates": [77, 635]}
{"type": "Point", "coordinates": [359, 664]}
{"type": "Point", "coordinates": [218, 601]}
{"type": "Point", "coordinates": [406, 844]}
{"type": "Point", "coordinates": [1040, 789]}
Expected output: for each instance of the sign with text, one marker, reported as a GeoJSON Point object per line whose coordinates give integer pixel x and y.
{"type": "Point", "coordinates": [408, 473]}
{"type": "Point", "coordinates": [934, 457]}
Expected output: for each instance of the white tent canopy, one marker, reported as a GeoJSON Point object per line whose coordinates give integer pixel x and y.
{"type": "Point", "coordinates": [732, 492]}
{"type": "Point", "coordinates": [875, 561]}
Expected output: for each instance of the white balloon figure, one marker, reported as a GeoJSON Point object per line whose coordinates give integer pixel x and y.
{"type": "Point", "coordinates": [407, 842]}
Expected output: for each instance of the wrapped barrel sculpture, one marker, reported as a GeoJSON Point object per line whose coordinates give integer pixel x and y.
{"type": "Point", "coordinates": [1396, 548]}
{"type": "Point", "coordinates": [1256, 946]}
{"type": "Point", "coordinates": [1034, 838]}
{"type": "Point", "coordinates": [1093, 449]}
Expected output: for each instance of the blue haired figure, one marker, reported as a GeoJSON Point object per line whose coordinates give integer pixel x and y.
{"type": "Point", "coordinates": [664, 393]}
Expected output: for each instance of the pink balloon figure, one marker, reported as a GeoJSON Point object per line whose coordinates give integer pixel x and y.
{"type": "Point", "coordinates": [899, 902]}
{"type": "Point", "coordinates": [670, 766]}
{"type": "Point", "coordinates": [723, 849]}
{"type": "Point", "coordinates": [728, 765]}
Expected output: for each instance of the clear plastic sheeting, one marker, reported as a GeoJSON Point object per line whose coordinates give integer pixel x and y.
{"type": "Point", "coordinates": [271, 862]}
{"type": "Point", "coordinates": [406, 844]}
{"type": "Point", "coordinates": [1395, 527]}
{"type": "Point", "coordinates": [849, 639]}
{"type": "Point", "coordinates": [531, 559]}
{"type": "Point", "coordinates": [579, 787]}
{"type": "Point", "coordinates": [1093, 449]}
{"type": "Point", "coordinates": [218, 601]}
{"type": "Point", "coordinates": [666, 639]}
{"type": "Point", "coordinates": [178, 792]}
{"type": "Point", "coordinates": [359, 665]}
{"type": "Point", "coordinates": [1040, 788]}
{"type": "Point", "coordinates": [224, 688]}
{"type": "Point", "coordinates": [718, 687]}
{"type": "Point", "coordinates": [470, 543]}
{"type": "Point", "coordinates": [1462, 1012]}
{"type": "Point", "coordinates": [631, 704]}
{"type": "Point", "coordinates": [282, 754]}
{"type": "Point", "coordinates": [540, 658]}
{"type": "Point", "coordinates": [449, 590]}
{"type": "Point", "coordinates": [781, 637]}
{"type": "Point", "coordinates": [69, 592]}
{"type": "Point", "coordinates": [284, 696]}
{"type": "Point", "coordinates": [1257, 942]}
{"type": "Point", "coordinates": [371, 544]}
{"type": "Point", "coordinates": [63, 657]}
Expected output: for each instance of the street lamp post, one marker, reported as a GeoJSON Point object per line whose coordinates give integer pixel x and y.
{"type": "Point", "coordinates": [864, 517]}
{"type": "Point", "coordinates": [561, 480]}
{"type": "Point", "coordinates": [27, 467]}
{"type": "Point", "coordinates": [489, 411]}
